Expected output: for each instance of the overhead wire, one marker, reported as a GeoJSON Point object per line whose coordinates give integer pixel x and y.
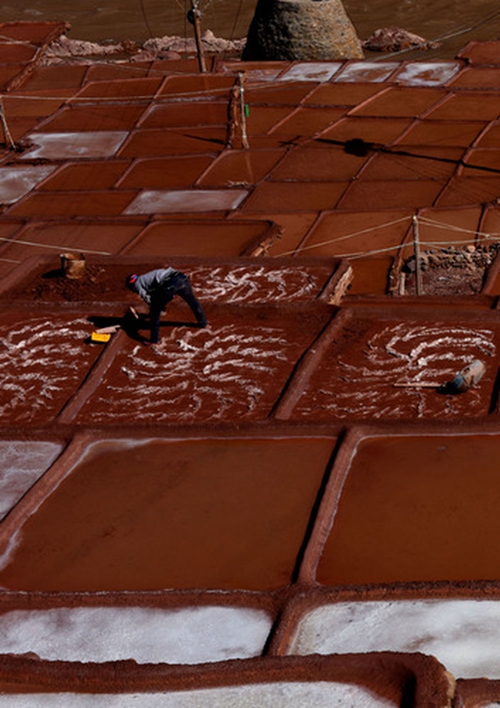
{"type": "Point", "coordinates": [465, 30]}
{"type": "Point", "coordinates": [145, 18]}
{"type": "Point", "coordinates": [11, 40]}
{"type": "Point", "coordinates": [486, 236]}
{"type": "Point", "coordinates": [15, 242]}
{"type": "Point", "coordinates": [236, 19]}
{"type": "Point", "coordinates": [351, 235]}
{"type": "Point", "coordinates": [455, 33]}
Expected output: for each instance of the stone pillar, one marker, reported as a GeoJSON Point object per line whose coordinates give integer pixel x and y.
{"type": "Point", "coordinates": [301, 30]}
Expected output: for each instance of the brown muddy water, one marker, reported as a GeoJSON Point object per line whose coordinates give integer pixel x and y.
{"type": "Point", "coordinates": [96, 20]}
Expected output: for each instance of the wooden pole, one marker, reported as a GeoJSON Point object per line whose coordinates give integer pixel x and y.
{"type": "Point", "coordinates": [195, 14]}
{"type": "Point", "coordinates": [244, 137]}
{"type": "Point", "coordinates": [416, 248]}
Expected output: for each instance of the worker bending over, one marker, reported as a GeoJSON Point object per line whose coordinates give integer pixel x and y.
{"type": "Point", "coordinates": [157, 288]}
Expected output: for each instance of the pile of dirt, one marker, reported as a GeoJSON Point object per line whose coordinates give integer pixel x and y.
{"type": "Point", "coordinates": [99, 283]}
{"type": "Point", "coordinates": [449, 271]}
{"type": "Point", "coordinates": [75, 51]}
{"type": "Point", "coordinates": [396, 39]}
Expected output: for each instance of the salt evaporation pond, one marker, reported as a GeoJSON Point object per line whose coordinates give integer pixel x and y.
{"type": "Point", "coordinates": [278, 695]}
{"type": "Point", "coordinates": [188, 635]}
{"type": "Point", "coordinates": [464, 635]}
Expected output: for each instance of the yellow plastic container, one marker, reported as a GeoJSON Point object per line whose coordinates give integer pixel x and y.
{"type": "Point", "coordinates": [101, 337]}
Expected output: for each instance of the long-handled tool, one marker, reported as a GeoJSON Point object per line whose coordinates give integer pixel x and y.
{"type": "Point", "coordinates": [103, 334]}
{"type": "Point", "coordinates": [469, 376]}
{"type": "Point", "coordinates": [417, 384]}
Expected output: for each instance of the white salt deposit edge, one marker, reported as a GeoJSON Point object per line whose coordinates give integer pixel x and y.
{"type": "Point", "coordinates": [464, 635]}
{"type": "Point", "coordinates": [21, 465]}
{"type": "Point", "coordinates": [185, 636]}
{"type": "Point", "coordinates": [320, 694]}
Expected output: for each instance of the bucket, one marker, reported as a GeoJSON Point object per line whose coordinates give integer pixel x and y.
{"type": "Point", "coordinates": [73, 265]}
{"type": "Point", "coordinates": [469, 376]}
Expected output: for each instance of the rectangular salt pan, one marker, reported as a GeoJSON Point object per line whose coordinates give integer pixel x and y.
{"type": "Point", "coordinates": [189, 635]}
{"type": "Point", "coordinates": [428, 73]}
{"type": "Point", "coordinates": [61, 146]}
{"type": "Point", "coordinates": [320, 694]}
{"type": "Point", "coordinates": [311, 71]}
{"type": "Point", "coordinates": [464, 635]}
{"type": "Point", "coordinates": [184, 201]}
{"type": "Point", "coordinates": [366, 71]}
{"type": "Point", "coordinates": [15, 182]}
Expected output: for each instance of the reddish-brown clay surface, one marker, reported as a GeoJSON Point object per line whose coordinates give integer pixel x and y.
{"type": "Point", "coordinates": [245, 281]}
{"type": "Point", "coordinates": [370, 275]}
{"type": "Point", "coordinates": [477, 693]}
{"type": "Point", "coordinates": [417, 508]}
{"type": "Point", "coordinates": [233, 370]}
{"type": "Point", "coordinates": [34, 391]}
{"type": "Point", "coordinates": [214, 238]}
{"type": "Point", "coordinates": [369, 362]}
{"type": "Point", "coordinates": [327, 144]}
{"type": "Point", "coordinates": [54, 238]}
{"type": "Point", "coordinates": [193, 514]}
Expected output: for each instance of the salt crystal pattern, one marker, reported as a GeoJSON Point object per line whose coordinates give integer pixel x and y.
{"type": "Point", "coordinates": [62, 146]}
{"type": "Point", "coordinates": [319, 694]}
{"type": "Point", "coordinates": [464, 635]}
{"type": "Point", "coordinates": [186, 201]}
{"type": "Point", "coordinates": [15, 182]}
{"type": "Point", "coordinates": [188, 635]}
{"type": "Point", "coordinates": [21, 465]}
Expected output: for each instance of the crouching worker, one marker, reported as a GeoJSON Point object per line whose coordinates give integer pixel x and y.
{"type": "Point", "coordinates": [157, 288]}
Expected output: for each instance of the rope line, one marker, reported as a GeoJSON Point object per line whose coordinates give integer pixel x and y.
{"type": "Point", "coordinates": [15, 242]}
{"type": "Point", "coordinates": [145, 18]}
{"type": "Point", "coordinates": [455, 33]}
{"type": "Point", "coordinates": [11, 40]}
{"type": "Point", "coordinates": [348, 236]}
{"type": "Point", "coordinates": [492, 236]}
{"type": "Point", "coordinates": [399, 247]}
{"type": "Point", "coordinates": [450, 227]}
{"type": "Point", "coordinates": [237, 17]}
{"type": "Point", "coordinates": [486, 236]}
{"type": "Point", "coordinates": [118, 99]}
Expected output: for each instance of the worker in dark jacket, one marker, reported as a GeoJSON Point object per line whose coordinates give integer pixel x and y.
{"type": "Point", "coordinates": [157, 288]}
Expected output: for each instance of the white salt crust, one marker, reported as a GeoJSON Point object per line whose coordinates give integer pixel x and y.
{"type": "Point", "coordinates": [15, 182]}
{"type": "Point", "coordinates": [311, 71]}
{"type": "Point", "coordinates": [59, 146]}
{"type": "Point", "coordinates": [403, 351]}
{"type": "Point", "coordinates": [274, 695]}
{"type": "Point", "coordinates": [21, 464]}
{"type": "Point", "coordinates": [464, 635]}
{"type": "Point", "coordinates": [186, 636]}
{"type": "Point", "coordinates": [184, 201]}
{"type": "Point", "coordinates": [216, 373]}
